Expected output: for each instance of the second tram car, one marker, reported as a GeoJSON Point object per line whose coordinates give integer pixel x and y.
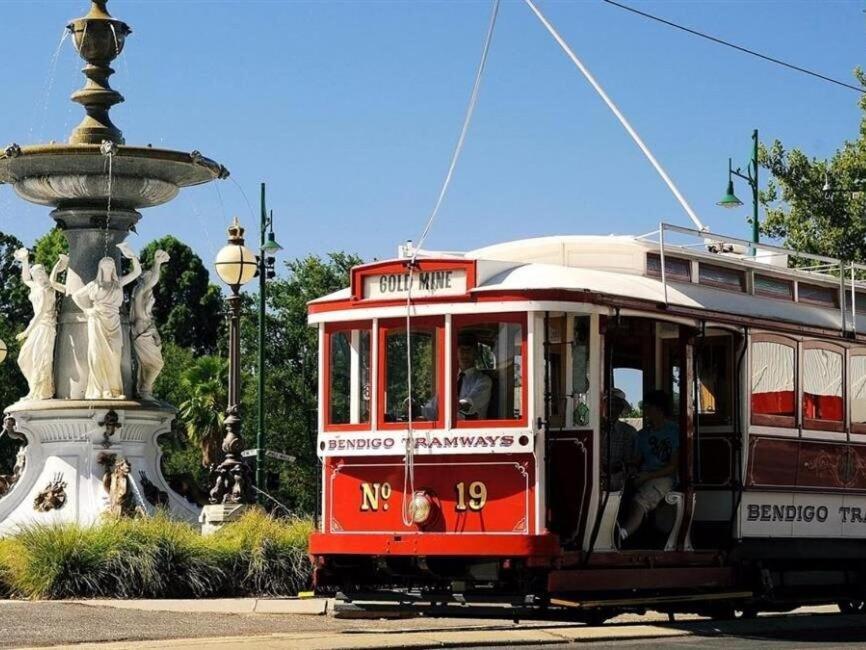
{"type": "Point", "coordinates": [508, 490]}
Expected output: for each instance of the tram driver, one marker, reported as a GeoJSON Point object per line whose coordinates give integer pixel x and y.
{"type": "Point", "coordinates": [474, 386]}
{"type": "Point", "coordinates": [657, 449]}
{"type": "Point", "coordinates": [618, 440]}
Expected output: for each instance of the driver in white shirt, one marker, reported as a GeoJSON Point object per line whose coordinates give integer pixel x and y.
{"type": "Point", "coordinates": [473, 385]}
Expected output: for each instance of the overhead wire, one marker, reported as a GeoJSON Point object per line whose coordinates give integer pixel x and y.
{"type": "Point", "coordinates": [619, 115]}
{"type": "Point", "coordinates": [409, 459]}
{"type": "Point", "coordinates": [734, 46]}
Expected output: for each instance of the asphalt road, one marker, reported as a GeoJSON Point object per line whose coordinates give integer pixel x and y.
{"type": "Point", "coordinates": [29, 624]}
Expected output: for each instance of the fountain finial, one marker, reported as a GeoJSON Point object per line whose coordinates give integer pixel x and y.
{"type": "Point", "coordinates": [99, 39]}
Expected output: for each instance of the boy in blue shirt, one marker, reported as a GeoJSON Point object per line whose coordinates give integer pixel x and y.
{"type": "Point", "coordinates": [658, 446]}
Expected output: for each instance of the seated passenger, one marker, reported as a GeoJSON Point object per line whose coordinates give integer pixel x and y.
{"type": "Point", "coordinates": [473, 385]}
{"type": "Point", "coordinates": [618, 439]}
{"type": "Point", "coordinates": [657, 448]}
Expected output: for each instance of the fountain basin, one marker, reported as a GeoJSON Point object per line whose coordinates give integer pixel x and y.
{"type": "Point", "coordinates": [76, 176]}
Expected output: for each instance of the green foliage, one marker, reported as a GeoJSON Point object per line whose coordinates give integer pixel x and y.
{"type": "Point", "coordinates": [806, 217]}
{"type": "Point", "coordinates": [188, 307]}
{"type": "Point", "coordinates": [202, 412]}
{"type": "Point", "coordinates": [49, 247]}
{"type": "Point", "coordinates": [291, 358]}
{"type": "Point", "coordinates": [269, 555]}
{"type": "Point", "coordinates": [15, 313]}
{"type": "Point", "coordinates": [157, 558]}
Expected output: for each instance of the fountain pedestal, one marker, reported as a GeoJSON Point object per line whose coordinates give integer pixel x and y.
{"type": "Point", "coordinates": [67, 442]}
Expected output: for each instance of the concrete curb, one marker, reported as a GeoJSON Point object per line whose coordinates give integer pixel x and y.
{"type": "Point", "coordinates": [296, 606]}
{"type": "Point", "coordinates": [783, 626]}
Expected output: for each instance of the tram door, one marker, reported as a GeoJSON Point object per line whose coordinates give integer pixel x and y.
{"type": "Point", "coordinates": [646, 358]}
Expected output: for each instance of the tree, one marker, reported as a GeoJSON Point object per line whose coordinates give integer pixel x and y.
{"type": "Point", "coordinates": [49, 247]}
{"type": "Point", "coordinates": [806, 217]}
{"type": "Point", "coordinates": [291, 359]}
{"type": "Point", "coordinates": [202, 413]}
{"type": "Point", "coordinates": [15, 313]}
{"type": "Point", "coordinates": [188, 307]}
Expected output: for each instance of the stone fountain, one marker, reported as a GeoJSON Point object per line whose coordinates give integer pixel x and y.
{"type": "Point", "coordinates": [86, 432]}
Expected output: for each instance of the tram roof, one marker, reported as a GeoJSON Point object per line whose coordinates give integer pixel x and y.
{"type": "Point", "coordinates": [616, 265]}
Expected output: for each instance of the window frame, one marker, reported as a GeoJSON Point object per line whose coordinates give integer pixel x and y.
{"type": "Point", "coordinates": [812, 424]}
{"type": "Point", "coordinates": [669, 275]}
{"type": "Point", "coordinates": [764, 419]}
{"type": "Point", "coordinates": [741, 274]}
{"type": "Point", "coordinates": [769, 294]}
{"type": "Point", "coordinates": [437, 323]}
{"type": "Point", "coordinates": [854, 426]}
{"type": "Point", "coordinates": [818, 303]}
{"type": "Point", "coordinates": [330, 330]}
{"type": "Point", "coordinates": [714, 419]}
{"type": "Point", "coordinates": [461, 320]}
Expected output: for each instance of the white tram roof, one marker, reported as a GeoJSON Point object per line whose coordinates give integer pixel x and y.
{"type": "Point", "coordinates": [616, 265]}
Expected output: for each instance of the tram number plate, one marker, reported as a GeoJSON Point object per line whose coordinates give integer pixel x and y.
{"type": "Point", "coordinates": [475, 497]}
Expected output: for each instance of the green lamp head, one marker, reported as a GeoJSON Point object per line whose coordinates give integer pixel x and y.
{"type": "Point", "coordinates": [271, 246]}
{"type": "Point", "coordinates": [730, 200]}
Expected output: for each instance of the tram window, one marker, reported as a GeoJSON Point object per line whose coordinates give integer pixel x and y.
{"type": "Point", "coordinates": [630, 381]}
{"type": "Point", "coordinates": [857, 392]}
{"type": "Point", "coordinates": [773, 382]}
{"type": "Point", "coordinates": [714, 275]}
{"type": "Point", "coordinates": [860, 302]}
{"type": "Point", "coordinates": [422, 348]}
{"type": "Point", "coordinates": [676, 268]}
{"type": "Point", "coordinates": [822, 387]}
{"type": "Point", "coordinates": [771, 287]}
{"type": "Point", "coordinates": [488, 368]}
{"type": "Point", "coordinates": [348, 361]}
{"type": "Point", "coordinates": [813, 293]}
{"type": "Point", "coordinates": [580, 370]}
{"type": "Point", "coordinates": [672, 373]}
{"type": "Point", "coordinates": [715, 380]}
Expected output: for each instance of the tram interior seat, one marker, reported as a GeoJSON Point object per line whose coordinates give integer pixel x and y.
{"type": "Point", "coordinates": [665, 521]}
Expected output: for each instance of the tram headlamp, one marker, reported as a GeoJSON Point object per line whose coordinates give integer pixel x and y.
{"type": "Point", "coordinates": [420, 508]}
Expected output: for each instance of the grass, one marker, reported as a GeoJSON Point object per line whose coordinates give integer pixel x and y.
{"type": "Point", "coordinates": [157, 558]}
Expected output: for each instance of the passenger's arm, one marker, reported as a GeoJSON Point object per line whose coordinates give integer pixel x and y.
{"type": "Point", "coordinates": [478, 398]}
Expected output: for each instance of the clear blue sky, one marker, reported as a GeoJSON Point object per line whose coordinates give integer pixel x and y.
{"type": "Point", "coordinates": [350, 111]}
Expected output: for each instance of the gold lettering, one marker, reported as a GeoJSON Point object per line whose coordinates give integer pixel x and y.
{"type": "Point", "coordinates": [477, 496]}
{"type": "Point", "coordinates": [371, 493]}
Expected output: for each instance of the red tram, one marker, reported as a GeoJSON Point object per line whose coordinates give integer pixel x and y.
{"type": "Point", "coordinates": [508, 494]}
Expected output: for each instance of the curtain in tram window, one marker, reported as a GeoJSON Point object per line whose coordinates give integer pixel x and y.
{"type": "Point", "coordinates": [772, 378]}
{"type": "Point", "coordinates": [822, 385]}
{"type": "Point", "coordinates": [857, 380]}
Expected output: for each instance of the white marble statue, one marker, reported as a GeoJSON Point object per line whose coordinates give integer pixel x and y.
{"type": "Point", "coordinates": [36, 358]}
{"type": "Point", "coordinates": [100, 300]}
{"type": "Point", "coordinates": [145, 336]}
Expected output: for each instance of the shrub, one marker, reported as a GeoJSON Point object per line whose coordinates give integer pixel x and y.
{"type": "Point", "coordinates": [156, 558]}
{"type": "Point", "coordinates": [269, 555]}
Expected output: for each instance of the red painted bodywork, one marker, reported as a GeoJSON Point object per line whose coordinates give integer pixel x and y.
{"type": "Point", "coordinates": [509, 508]}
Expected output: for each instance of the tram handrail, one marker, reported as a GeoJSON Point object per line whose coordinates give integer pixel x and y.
{"type": "Point", "coordinates": [824, 265]}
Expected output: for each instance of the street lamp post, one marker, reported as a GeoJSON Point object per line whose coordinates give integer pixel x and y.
{"type": "Point", "coordinates": [268, 247]}
{"type": "Point", "coordinates": [730, 200]}
{"type": "Point", "coordinates": [236, 265]}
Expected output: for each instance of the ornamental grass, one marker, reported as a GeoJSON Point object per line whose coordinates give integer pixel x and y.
{"type": "Point", "coordinates": [156, 557]}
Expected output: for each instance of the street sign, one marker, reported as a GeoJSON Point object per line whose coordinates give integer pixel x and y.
{"type": "Point", "coordinates": [276, 455]}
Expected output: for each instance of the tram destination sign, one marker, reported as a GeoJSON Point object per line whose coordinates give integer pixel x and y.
{"type": "Point", "coordinates": [423, 284]}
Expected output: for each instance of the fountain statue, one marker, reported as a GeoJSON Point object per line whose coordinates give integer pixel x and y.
{"type": "Point", "coordinates": [146, 339]}
{"type": "Point", "coordinates": [91, 364]}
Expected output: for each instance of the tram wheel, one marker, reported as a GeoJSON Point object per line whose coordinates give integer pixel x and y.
{"type": "Point", "coordinates": [852, 606]}
{"type": "Point", "coordinates": [595, 617]}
